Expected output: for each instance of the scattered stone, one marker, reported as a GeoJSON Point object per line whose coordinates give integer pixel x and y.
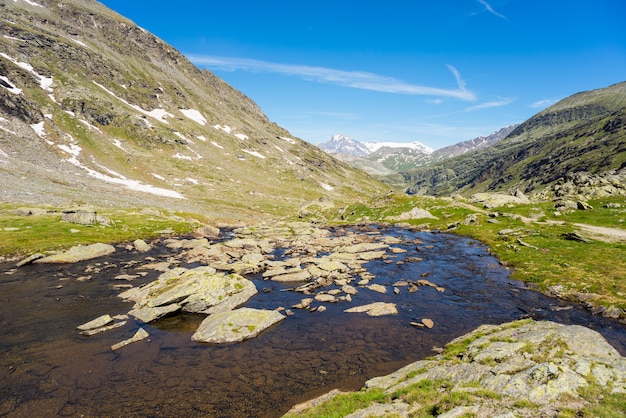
{"type": "Point", "coordinates": [91, 332]}
{"type": "Point", "coordinates": [574, 236]}
{"type": "Point", "coordinates": [30, 259]}
{"type": "Point", "coordinates": [375, 309]}
{"type": "Point", "coordinates": [377, 288]}
{"type": "Point", "coordinates": [299, 276]}
{"type": "Point", "coordinates": [141, 334]}
{"type": "Point", "coordinates": [349, 290]}
{"type": "Point", "coordinates": [322, 308]}
{"type": "Point", "coordinates": [96, 323]}
{"type": "Point", "coordinates": [207, 231]}
{"type": "Point", "coordinates": [142, 246]}
{"type": "Point", "coordinates": [323, 297]}
{"type": "Point", "coordinates": [234, 326]}
{"type": "Point", "coordinates": [428, 323]}
{"type": "Point", "coordinates": [415, 213]}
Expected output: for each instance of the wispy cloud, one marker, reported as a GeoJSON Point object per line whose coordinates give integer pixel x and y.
{"type": "Point", "coordinates": [489, 105]}
{"type": "Point", "coordinates": [543, 103]}
{"type": "Point", "coordinates": [490, 9]}
{"type": "Point", "coordinates": [352, 79]}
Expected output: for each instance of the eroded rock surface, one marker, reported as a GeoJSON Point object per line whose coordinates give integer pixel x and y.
{"type": "Point", "coordinates": [534, 367]}
{"type": "Point", "coordinates": [236, 325]}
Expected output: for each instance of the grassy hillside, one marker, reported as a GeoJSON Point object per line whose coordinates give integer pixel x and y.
{"type": "Point", "coordinates": [585, 132]}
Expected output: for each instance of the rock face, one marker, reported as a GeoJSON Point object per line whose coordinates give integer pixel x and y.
{"type": "Point", "coordinates": [536, 366]}
{"type": "Point", "coordinates": [79, 253]}
{"type": "Point", "coordinates": [199, 290]}
{"type": "Point", "coordinates": [237, 325]}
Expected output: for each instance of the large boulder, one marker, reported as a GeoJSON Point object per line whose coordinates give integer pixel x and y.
{"type": "Point", "coordinates": [237, 325]}
{"type": "Point", "coordinates": [199, 290]}
{"type": "Point", "coordinates": [79, 253]}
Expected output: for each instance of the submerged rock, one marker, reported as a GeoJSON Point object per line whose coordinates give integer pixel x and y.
{"type": "Point", "coordinates": [237, 325]}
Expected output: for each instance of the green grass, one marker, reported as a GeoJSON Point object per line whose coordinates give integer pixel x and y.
{"type": "Point", "coordinates": [48, 232]}
{"type": "Point", "coordinates": [601, 403]}
{"type": "Point", "coordinates": [344, 404]}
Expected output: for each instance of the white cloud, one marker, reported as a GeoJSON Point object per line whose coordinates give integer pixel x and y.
{"type": "Point", "coordinates": [490, 9]}
{"type": "Point", "coordinates": [489, 105]}
{"type": "Point", "coordinates": [353, 79]}
{"type": "Point", "coordinates": [543, 103]}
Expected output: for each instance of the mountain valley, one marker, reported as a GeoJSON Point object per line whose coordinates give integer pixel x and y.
{"type": "Point", "coordinates": [153, 218]}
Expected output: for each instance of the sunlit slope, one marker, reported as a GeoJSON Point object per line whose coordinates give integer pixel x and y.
{"type": "Point", "coordinates": [96, 109]}
{"type": "Point", "coordinates": [583, 133]}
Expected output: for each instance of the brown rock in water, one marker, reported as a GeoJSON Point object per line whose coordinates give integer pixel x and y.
{"type": "Point", "coordinates": [428, 323]}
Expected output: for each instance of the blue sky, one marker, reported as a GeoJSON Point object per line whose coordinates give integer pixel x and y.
{"type": "Point", "coordinates": [434, 71]}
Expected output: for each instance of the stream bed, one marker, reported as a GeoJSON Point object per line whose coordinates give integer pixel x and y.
{"type": "Point", "coordinates": [48, 369]}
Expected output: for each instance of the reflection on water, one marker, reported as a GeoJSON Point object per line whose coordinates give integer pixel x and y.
{"type": "Point", "coordinates": [47, 368]}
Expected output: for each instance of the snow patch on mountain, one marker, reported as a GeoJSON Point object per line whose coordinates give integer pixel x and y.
{"type": "Point", "coordinates": [417, 146]}
{"type": "Point", "coordinates": [343, 144]}
{"type": "Point", "coordinates": [194, 115]}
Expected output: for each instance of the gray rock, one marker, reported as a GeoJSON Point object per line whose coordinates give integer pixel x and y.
{"type": "Point", "coordinates": [199, 290]}
{"type": "Point", "coordinates": [234, 326]}
{"type": "Point", "coordinates": [142, 246]}
{"type": "Point", "coordinates": [96, 323]}
{"type": "Point", "coordinates": [375, 309]}
{"type": "Point", "coordinates": [79, 253]}
{"type": "Point", "coordinates": [415, 213]}
{"type": "Point", "coordinates": [30, 259]}
{"type": "Point", "coordinates": [141, 334]}
{"type": "Point", "coordinates": [540, 362]}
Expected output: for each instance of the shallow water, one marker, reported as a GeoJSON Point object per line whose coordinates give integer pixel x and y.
{"type": "Point", "coordinates": [48, 369]}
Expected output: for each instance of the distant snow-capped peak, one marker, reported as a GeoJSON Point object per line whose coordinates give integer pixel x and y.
{"type": "Point", "coordinates": [343, 144]}
{"type": "Point", "coordinates": [418, 146]}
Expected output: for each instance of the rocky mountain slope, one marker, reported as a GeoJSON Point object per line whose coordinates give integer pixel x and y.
{"type": "Point", "coordinates": [95, 109]}
{"type": "Point", "coordinates": [583, 133]}
{"type": "Point", "coordinates": [473, 144]}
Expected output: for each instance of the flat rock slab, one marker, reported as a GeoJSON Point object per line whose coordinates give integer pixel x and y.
{"type": "Point", "coordinates": [237, 325]}
{"type": "Point", "coordinates": [199, 290]}
{"type": "Point", "coordinates": [79, 253]}
{"type": "Point", "coordinates": [141, 334]}
{"type": "Point", "coordinates": [96, 323]}
{"type": "Point", "coordinates": [375, 309]}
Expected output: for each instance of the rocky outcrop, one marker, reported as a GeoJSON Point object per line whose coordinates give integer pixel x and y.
{"type": "Point", "coordinates": [523, 368]}
{"type": "Point", "coordinates": [199, 290]}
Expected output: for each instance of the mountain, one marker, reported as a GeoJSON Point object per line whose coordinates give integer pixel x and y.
{"type": "Point", "coordinates": [345, 147]}
{"type": "Point", "coordinates": [584, 133]}
{"type": "Point", "coordinates": [95, 109]}
{"type": "Point", "coordinates": [377, 158]}
{"type": "Point", "coordinates": [415, 146]}
{"type": "Point", "coordinates": [390, 158]}
{"type": "Point", "coordinates": [473, 144]}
